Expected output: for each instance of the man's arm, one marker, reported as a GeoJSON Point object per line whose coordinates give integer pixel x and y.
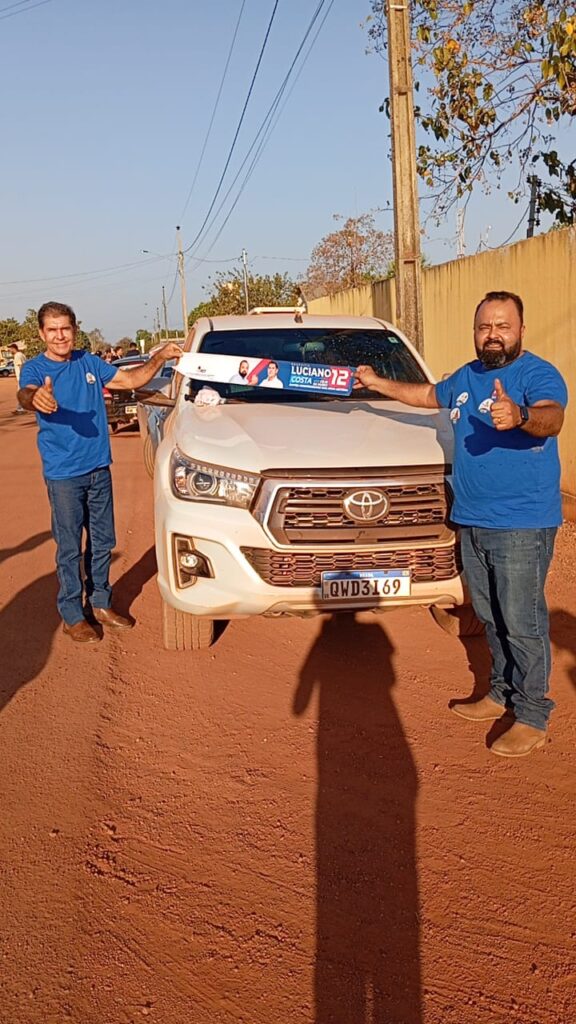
{"type": "Point", "coordinates": [38, 398]}
{"type": "Point", "coordinates": [422, 396]}
{"type": "Point", "coordinates": [140, 375]}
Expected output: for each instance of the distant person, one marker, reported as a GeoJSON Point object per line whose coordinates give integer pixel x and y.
{"type": "Point", "coordinates": [507, 408]}
{"type": "Point", "coordinates": [18, 359]}
{"type": "Point", "coordinates": [107, 356]}
{"type": "Point", "coordinates": [133, 350]}
{"type": "Point", "coordinates": [63, 386]}
{"type": "Point", "coordinates": [118, 352]}
{"type": "Point", "coordinates": [242, 375]}
{"type": "Point", "coordinates": [272, 379]}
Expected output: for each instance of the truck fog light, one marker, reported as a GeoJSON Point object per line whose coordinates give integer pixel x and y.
{"type": "Point", "coordinates": [189, 561]}
{"type": "Point", "coordinates": [189, 564]}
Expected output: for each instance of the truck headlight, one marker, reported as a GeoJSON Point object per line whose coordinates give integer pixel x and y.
{"type": "Point", "coordinates": [201, 481]}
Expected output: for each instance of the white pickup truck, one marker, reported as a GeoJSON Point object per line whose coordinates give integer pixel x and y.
{"type": "Point", "coordinates": [278, 503]}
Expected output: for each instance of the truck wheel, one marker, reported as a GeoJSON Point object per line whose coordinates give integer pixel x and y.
{"type": "Point", "coordinates": [458, 621]}
{"type": "Point", "coordinates": [149, 456]}
{"type": "Point", "coordinates": [184, 632]}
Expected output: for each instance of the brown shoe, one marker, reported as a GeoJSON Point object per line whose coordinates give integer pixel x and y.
{"type": "Point", "coordinates": [519, 741]}
{"type": "Point", "coordinates": [485, 710]}
{"type": "Point", "coordinates": [82, 632]}
{"type": "Point", "coordinates": [108, 617]}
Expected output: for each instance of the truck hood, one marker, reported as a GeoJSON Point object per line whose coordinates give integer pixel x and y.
{"type": "Point", "coordinates": [313, 436]}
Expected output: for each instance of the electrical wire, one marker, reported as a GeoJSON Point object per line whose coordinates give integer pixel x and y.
{"type": "Point", "coordinates": [101, 271]}
{"type": "Point", "coordinates": [238, 127]}
{"type": "Point", "coordinates": [214, 111]}
{"type": "Point", "coordinates": [30, 7]}
{"type": "Point", "coordinates": [266, 126]}
{"type": "Point", "coordinates": [511, 236]}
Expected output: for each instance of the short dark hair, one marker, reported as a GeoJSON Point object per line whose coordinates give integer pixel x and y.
{"type": "Point", "coordinates": [55, 309]}
{"type": "Point", "coordinates": [503, 297]}
{"type": "Point", "coordinates": [273, 363]}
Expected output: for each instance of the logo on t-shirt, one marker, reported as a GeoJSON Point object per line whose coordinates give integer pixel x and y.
{"type": "Point", "coordinates": [90, 378]}
{"type": "Point", "coordinates": [486, 405]}
{"type": "Point", "coordinates": [462, 398]}
{"type": "Point", "coordinates": [455, 415]}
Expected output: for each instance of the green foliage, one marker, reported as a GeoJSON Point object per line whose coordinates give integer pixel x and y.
{"type": "Point", "coordinates": [503, 79]}
{"type": "Point", "coordinates": [228, 298]}
{"type": "Point", "coordinates": [97, 340]}
{"type": "Point", "coordinates": [33, 344]}
{"type": "Point", "coordinates": [9, 332]}
{"type": "Point", "coordinates": [355, 254]}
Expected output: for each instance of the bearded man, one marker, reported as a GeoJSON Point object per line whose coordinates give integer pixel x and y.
{"type": "Point", "coordinates": [506, 408]}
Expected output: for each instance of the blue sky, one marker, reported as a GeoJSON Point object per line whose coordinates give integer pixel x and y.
{"type": "Point", "coordinates": [106, 107]}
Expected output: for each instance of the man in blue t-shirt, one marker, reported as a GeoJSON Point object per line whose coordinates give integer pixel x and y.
{"type": "Point", "coordinates": [506, 408]}
{"type": "Point", "coordinates": [63, 386]}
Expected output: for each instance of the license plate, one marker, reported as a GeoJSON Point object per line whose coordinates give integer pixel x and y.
{"type": "Point", "coordinates": [342, 586]}
{"type": "Point", "coordinates": [131, 410]}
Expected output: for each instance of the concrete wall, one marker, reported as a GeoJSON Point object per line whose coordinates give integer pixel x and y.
{"type": "Point", "coordinates": [542, 270]}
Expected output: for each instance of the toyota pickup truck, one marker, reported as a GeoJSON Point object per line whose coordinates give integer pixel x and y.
{"type": "Point", "coordinates": [280, 503]}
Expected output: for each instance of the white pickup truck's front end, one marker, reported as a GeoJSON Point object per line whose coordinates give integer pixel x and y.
{"type": "Point", "coordinates": [313, 519]}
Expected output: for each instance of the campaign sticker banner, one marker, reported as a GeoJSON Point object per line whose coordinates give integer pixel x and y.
{"type": "Point", "coordinates": [267, 373]}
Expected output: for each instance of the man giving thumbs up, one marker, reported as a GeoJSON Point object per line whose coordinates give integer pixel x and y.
{"type": "Point", "coordinates": [63, 386]}
{"type": "Point", "coordinates": [506, 407]}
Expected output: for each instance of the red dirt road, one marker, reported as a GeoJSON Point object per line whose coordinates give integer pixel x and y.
{"type": "Point", "coordinates": [289, 828]}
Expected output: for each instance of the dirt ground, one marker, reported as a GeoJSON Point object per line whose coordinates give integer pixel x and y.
{"type": "Point", "coordinates": [290, 827]}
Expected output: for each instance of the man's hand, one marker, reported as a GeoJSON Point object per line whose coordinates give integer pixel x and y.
{"type": "Point", "coordinates": [171, 350]}
{"type": "Point", "coordinates": [43, 398]}
{"type": "Point", "coordinates": [505, 412]}
{"type": "Point", "coordinates": [365, 377]}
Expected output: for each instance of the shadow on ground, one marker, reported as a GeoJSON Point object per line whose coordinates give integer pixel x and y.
{"type": "Point", "coordinates": [367, 968]}
{"type": "Point", "coordinates": [131, 584]}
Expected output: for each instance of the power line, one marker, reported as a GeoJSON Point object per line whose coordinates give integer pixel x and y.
{"type": "Point", "coordinates": [87, 273]}
{"type": "Point", "coordinates": [30, 7]}
{"type": "Point", "coordinates": [216, 104]}
{"type": "Point", "coordinates": [266, 126]}
{"type": "Point", "coordinates": [238, 127]}
{"type": "Point", "coordinates": [511, 235]}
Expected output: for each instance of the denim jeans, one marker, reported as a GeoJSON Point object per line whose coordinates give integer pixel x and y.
{"type": "Point", "coordinates": [83, 504]}
{"type": "Point", "coordinates": [506, 571]}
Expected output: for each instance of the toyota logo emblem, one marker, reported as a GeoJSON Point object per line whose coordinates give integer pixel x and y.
{"type": "Point", "coordinates": [366, 506]}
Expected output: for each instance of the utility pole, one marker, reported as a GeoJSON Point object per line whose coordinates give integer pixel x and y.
{"type": "Point", "coordinates": [406, 215]}
{"type": "Point", "coordinates": [182, 281]}
{"type": "Point", "coordinates": [532, 218]}
{"type": "Point", "coordinates": [245, 274]}
{"type": "Point", "coordinates": [460, 243]}
{"type": "Point", "coordinates": [165, 311]}
{"type": "Point", "coordinates": [158, 323]}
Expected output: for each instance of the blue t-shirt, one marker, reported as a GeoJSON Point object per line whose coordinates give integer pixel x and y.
{"type": "Point", "coordinates": [503, 479]}
{"type": "Point", "coordinates": [74, 439]}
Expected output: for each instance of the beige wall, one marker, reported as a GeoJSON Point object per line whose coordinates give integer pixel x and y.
{"type": "Point", "coordinates": [542, 270]}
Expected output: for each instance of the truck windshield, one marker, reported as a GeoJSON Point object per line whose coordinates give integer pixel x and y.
{"type": "Point", "coordinates": [382, 349]}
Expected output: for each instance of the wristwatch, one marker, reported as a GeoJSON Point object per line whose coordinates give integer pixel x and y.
{"type": "Point", "coordinates": [524, 414]}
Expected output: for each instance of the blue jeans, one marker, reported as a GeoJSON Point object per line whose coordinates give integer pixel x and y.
{"type": "Point", "coordinates": [83, 503]}
{"type": "Point", "coordinates": [506, 571]}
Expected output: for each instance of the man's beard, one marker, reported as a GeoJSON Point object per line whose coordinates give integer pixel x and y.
{"type": "Point", "coordinates": [496, 358]}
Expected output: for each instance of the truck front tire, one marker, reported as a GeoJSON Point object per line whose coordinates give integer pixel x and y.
{"type": "Point", "coordinates": [182, 632]}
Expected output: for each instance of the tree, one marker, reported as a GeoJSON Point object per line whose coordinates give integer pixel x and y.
{"type": "Point", "coordinates": [9, 332]}
{"type": "Point", "coordinates": [356, 254]}
{"type": "Point", "coordinates": [125, 342]}
{"type": "Point", "coordinates": [97, 340]}
{"type": "Point", "coordinates": [263, 290]}
{"type": "Point", "coordinates": [503, 80]}
{"type": "Point", "coordinates": [144, 339]}
{"type": "Point", "coordinates": [33, 343]}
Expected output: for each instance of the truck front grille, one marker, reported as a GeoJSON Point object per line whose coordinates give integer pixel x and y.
{"type": "Point", "coordinates": [280, 569]}
{"type": "Point", "coordinates": [312, 513]}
